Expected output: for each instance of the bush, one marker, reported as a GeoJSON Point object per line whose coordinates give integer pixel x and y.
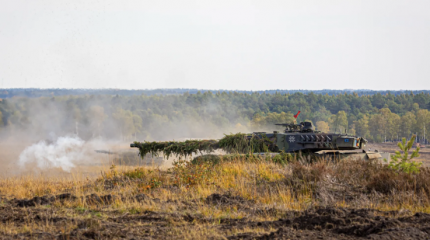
{"type": "Point", "coordinates": [137, 173]}
{"type": "Point", "coordinates": [209, 158]}
{"type": "Point", "coordinates": [310, 173]}
{"type": "Point", "coordinates": [154, 182]}
{"type": "Point", "coordinates": [387, 181]}
{"type": "Point", "coordinates": [402, 162]}
{"type": "Point", "coordinates": [189, 174]}
{"type": "Point", "coordinates": [281, 158]}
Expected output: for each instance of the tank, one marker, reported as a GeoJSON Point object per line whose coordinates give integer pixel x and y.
{"type": "Point", "coordinates": [303, 137]}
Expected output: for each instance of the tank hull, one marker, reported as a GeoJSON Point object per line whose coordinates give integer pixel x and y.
{"type": "Point", "coordinates": [312, 142]}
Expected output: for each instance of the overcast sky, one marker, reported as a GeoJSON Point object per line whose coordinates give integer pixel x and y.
{"type": "Point", "coordinates": [247, 45]}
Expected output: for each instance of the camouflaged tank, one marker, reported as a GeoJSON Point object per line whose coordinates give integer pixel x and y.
{"type": "Point", "coordinates": [295, 138]}
{"type": "Point", "coordinates": [303, 138]}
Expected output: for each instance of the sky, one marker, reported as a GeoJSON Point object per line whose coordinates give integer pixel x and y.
{"type": "Point", "coordinates": [234, 45]}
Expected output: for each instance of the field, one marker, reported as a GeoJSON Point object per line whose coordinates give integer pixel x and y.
{"type": "Point", "coordinates": [392, 146]}
{"type": "Point", "coordinates": [238, 199]}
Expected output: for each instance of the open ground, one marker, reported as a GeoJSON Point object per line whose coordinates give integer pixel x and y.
{"type": "Point", "coordinates": [241, 198]}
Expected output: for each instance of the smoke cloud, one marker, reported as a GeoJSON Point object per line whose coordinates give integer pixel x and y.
{"type": "Point", "coordinates": [64, 153]}
{"type": "Point", "coordinates": [63, 132]}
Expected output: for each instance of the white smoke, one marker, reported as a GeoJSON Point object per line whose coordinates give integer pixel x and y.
{"type": "Point", "coordinates": [64, 153]}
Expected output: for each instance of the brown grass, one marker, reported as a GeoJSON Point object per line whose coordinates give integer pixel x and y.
{"type": "Point", "coordinates": [261, 191]}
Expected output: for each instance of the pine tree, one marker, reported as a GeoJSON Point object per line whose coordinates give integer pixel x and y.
{"type": "Point", "coordinates": [402, 161]}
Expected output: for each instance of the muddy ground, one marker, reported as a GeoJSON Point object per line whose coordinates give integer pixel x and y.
{"type": "Point", "coordinates": [50, 218]}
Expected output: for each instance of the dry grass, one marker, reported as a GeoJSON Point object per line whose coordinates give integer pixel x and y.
{"type": "Point", "coordinates": [177, 201]}
{"type": "Point", "coordinates": [262, 182]}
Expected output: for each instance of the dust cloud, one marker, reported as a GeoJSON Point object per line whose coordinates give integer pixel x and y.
{"type": "Point", "coordinates": [65, 153]}
{"type": "Point", "coordinates": [74, 133]}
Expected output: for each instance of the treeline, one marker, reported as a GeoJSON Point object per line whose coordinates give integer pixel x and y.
{"type": "Point", "coordinates": [36, 92]}
{"type": "Point", "coordinates": [378, 117]}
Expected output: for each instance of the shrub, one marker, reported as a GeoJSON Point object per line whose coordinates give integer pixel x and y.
{"type": "Point", "coordinates": [137, 173]}
{"type": "Point", "coordinates": [402, 162]}
{"type": "Point", "coordinates": [188, 174]}
{"type": "Point", "coordinates": [387, 181]}
{"type": "Point", "coordinates": [310, 173]}
{"type": "Point", "coordinates": [281, 158]}
{"type": "Point", "coordinates": [154, 182]}
{"type": "Point", "coordinates": [209, 158]}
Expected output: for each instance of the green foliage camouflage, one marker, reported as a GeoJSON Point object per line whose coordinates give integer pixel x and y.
{"type": "Point", "coordinates": [185, 148]}
{"type": "Point", "coordinates": [233, 143]}
{"type": "Point", "coordinates": [245, 143]}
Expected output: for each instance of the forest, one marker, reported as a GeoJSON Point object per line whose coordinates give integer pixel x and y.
{"type": "Point", "coordinates": [52, 92]}
{"type": "Point", "coordinates": [378, 117]}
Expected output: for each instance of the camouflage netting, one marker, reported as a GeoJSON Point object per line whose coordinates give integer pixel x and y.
{"type": "Point", "coordinates": [233, 143]}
